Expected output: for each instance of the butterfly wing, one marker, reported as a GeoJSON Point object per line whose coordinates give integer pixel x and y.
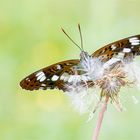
{"type": "Point", "coordinates": [49, 77]}
{"type": "Point", "coordinates": [126, 47]}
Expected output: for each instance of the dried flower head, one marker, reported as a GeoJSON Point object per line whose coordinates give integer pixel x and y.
{"type": "Point", "coordinates": [95, 79]}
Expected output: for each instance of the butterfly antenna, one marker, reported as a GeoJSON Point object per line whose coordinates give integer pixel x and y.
{"type": "Point", "coordinates": [81, 37]}
{"type": "Point", "coordinates": [70, 39]}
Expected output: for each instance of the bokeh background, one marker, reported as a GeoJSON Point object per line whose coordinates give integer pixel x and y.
{"type": "Point", "coordinates": [31, 38]}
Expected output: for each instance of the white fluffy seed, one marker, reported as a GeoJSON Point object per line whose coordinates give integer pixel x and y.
{"type": "Point", "coordinates": [120, 55]}
{"type": "Point", "coordinates": [71, 78]}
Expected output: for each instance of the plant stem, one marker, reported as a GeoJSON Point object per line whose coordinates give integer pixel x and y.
{"type": "Point", "coordinates": [100, 118]}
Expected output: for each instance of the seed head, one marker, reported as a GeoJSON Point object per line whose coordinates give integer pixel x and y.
{"type": "Point", "coordinates": [105, 77]}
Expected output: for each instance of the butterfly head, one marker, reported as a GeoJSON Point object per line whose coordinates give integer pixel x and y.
{"type": "Point", "coordinates": [84, 55]}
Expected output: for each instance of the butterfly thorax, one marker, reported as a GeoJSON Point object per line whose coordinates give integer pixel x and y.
{"type": "Point", "coordinates": [84, 62]}
{"type": "Point", "coordinates": [90, 66]}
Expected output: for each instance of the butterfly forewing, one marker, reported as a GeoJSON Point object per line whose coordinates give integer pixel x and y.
{"type": "Point", "coordinates": [49, 77]}
{"type": "Point", "coordinates": [125, 47]}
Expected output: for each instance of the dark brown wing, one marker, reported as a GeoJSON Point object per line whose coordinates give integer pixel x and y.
{"type": "Point", "coordinates": [49, 77]}
{"type": "Point", "coordinates": [128, 46]}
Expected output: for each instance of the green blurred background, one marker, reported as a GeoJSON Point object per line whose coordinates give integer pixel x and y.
{"type": "Point", "coordinates": [30, 38]}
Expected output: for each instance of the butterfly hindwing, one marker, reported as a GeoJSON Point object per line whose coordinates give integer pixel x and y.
{"type": "Point", "coordinates": [49, 77]}
{"type": "Point", "coordinates": [124, 47]}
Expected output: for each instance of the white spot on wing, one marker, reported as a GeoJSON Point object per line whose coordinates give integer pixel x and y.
{"type": "Point", "coordinates": [41, 76]}
{"type": "Point", "coordinates": [126, 50]}
{"type": "Point", "coordinates": [43, 85]}
{"type": "Point", "coordinates": [39, 73]}
{"type": "Point", "coordinates": [134, 41]}
{"type": "Point", "coordinates": [41, 88]}
{"type": "Point", "coordinates": [103, 51]}
{"type": "Point", "coordinates": [113, 47]}
{"type": "Point", "coordinates": [27, 79]}
{"type": "Point", "coordinates": [55, 78]}
{"type": "Point", "coordinates": [58, 67]}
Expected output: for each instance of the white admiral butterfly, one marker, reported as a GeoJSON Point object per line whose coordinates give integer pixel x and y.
{"type": "Point", "coordinates": [62, 73]}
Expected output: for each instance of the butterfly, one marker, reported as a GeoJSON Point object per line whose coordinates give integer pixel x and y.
{"type": "Point", "coordinates": [62, 73]}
